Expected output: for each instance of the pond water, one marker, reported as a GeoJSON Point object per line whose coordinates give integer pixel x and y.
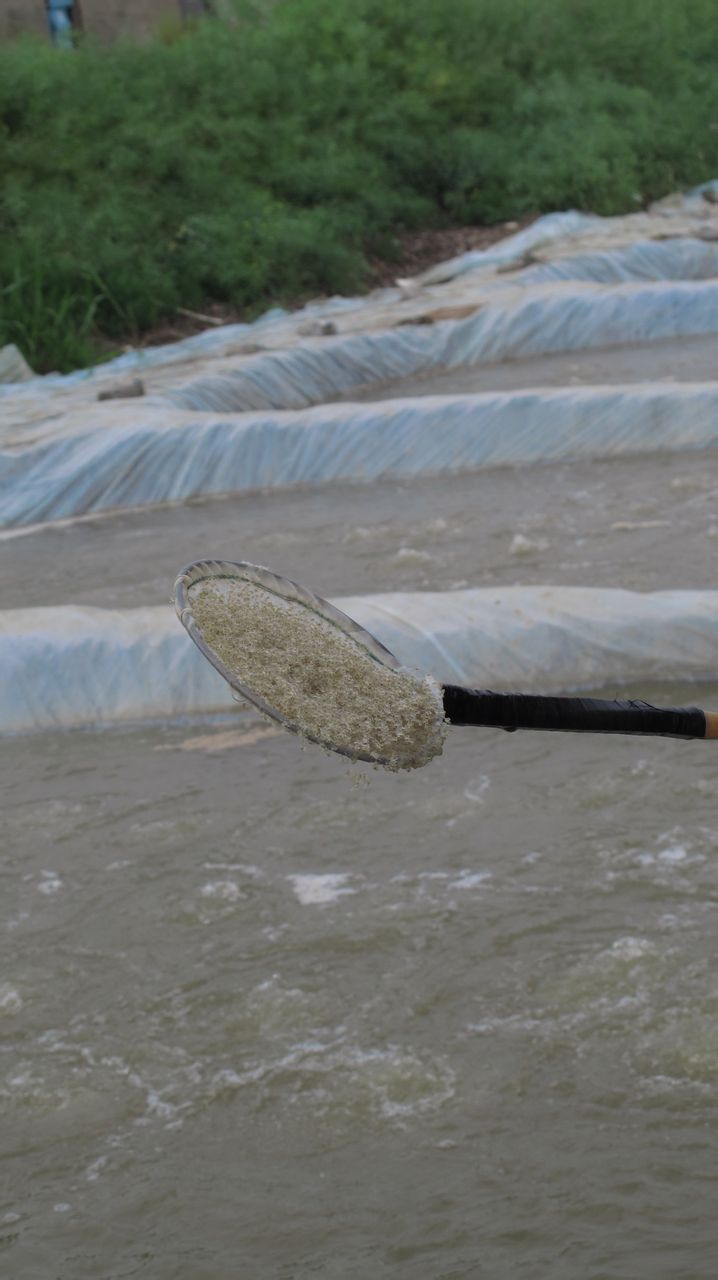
{"type": "Point", "coordinates": [259, 1020]}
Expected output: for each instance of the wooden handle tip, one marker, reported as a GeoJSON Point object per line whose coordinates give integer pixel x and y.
{"type": "Point", "coordinates": [711, 724]}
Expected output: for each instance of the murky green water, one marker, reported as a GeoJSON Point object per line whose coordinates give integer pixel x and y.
{"type": "Point", "coordinates": [260, 1022]}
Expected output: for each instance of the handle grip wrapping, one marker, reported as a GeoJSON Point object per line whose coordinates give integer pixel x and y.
{"type": "Point", "coordinates": [573, 715]}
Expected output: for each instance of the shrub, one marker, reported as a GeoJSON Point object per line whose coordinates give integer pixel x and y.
{"type": "Point", "coordinates": [260, 161]}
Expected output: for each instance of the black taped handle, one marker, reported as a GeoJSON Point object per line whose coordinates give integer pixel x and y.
{"type": "Point", "coordinates": [569, 715]}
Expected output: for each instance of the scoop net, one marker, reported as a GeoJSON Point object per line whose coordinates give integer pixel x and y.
{"type": "Point", "coordinates": [308, 666]}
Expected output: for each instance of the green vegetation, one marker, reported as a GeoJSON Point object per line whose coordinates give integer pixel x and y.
{"type": "Point", "coordinates": [260, 161]}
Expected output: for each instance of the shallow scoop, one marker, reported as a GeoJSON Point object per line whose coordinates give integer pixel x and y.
{"type": "Point", "coordinates": [309, 666]}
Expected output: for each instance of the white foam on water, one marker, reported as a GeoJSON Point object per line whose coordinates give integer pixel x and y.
{"type": "Point", "coordinates": [673, 855]}
{"type": "Point", "coordinates": [683, 1051]}
{"type": "Point", "coordinates": [50, 883]}
{"type": "Point", "coordinates": [157, 826]}
{"type": "Point", "coordinates": [93, 1170]}
{"type": "Point", "coordinates": [470, 880]}
{"type": "Point", "coordinates": [334, 1078]}
{"type": "Point", "coordinates": [247, 869]}
{"type": "Point", "coordinates": [318, 889]}
{"type": "Point", "coordinates": [629, 948]}
{"type": "Point", "coordinates": [11, 1001]}
{"type": "Point", "coordinates": [476, 791]}
{"type": "Point", "coordinates": [520, 545]}
{"type": "Point", "coordinates": [225, 890]}
{"type": "Point", "coordinates": [413, 555]}
{"type": "Point", "coordinates": [508, 1022]}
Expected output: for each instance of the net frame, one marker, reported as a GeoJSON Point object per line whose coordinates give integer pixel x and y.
{"type": "Point", "coordinates": [285, 589]}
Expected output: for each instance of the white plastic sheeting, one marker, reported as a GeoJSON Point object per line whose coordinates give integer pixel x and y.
{"type": "Point", "coordinates": [552, 229]}
{"type": "Point", "coordinates": [655, 261]}
{"type": "Point", "coordinates": [548, 638]}
{"type": "Point", "coordinates": [515, 325]}
{"type": "Point", "coordinates": [649, 260]}
{"type": "Point", "coordinates": [73, 666]}
{"type": "Point", "coordinates": [575, 318]}
{"type": "Point", "coordinates": [688, 216]}
{"type": "Point", "coordinates": [674, 216]}
{"type": "Point", "coordinates": [13, 365]}
{"type": "Point", "coordinates": [690, 221]}
{"type": "Point", "coordinates": [155, 460]}
{"type": "Point", "coordinates": [244, 407]}
{"type": "Point", "coordinates": [214, 419]}
{"type": "Point", "coordinates": [68, 667]}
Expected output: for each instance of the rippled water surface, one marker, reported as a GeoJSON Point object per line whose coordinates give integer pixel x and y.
{"type": "Point", "coordinates": [261, 1021]}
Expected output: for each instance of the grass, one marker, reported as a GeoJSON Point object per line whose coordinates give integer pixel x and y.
{"type": "Point", "coordinates": [261, 161]}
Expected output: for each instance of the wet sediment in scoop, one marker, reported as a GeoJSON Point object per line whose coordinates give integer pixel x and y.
{"type": "Point", "coordinates": [323, 683]}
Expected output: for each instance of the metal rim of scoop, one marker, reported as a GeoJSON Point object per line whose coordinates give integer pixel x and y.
{"type": "Point", "coordinates": [285, 589]}
{"type": "Point", "coordinates": [454, 703]}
